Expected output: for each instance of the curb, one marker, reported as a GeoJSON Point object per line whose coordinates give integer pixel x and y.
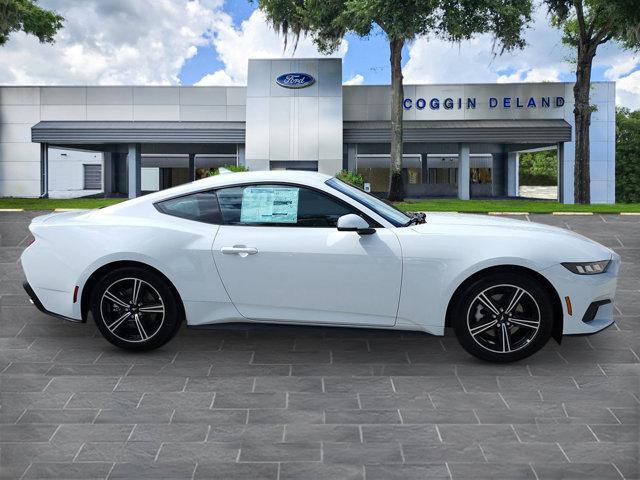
{"type": "Point", "coordinates": [571, 213]}
{"type": "Point", "coordinates": [66, 209]}
{"type": "Point", "coordinates": [11, 209]}
{"type": "Point", "coordinates": [507, 213]}
{"type": "Point", "coordinates": [630, 213]}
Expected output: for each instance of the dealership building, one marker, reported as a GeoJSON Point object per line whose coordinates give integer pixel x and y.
{"type": "Point", "coordinates": [460, 140]}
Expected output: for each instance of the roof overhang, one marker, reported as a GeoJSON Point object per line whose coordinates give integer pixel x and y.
{"type": "Point", "coordinates": [58, 132]}
{"type": "Point", "coordinates": [434, 131]}
{"type": "Point", "coordinates": [475, 131]}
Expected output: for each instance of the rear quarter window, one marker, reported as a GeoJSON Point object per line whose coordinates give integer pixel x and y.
{"type": "Point", "coordinates": [199, 207]}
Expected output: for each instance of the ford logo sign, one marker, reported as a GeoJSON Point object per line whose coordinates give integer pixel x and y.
{"type": "Point", "coordinates": [295, 80]}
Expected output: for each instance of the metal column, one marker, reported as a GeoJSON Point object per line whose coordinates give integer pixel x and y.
{"type": "Point", "coordinates": [463, 171]}
{"type": "Point", "coordinates": [192, 167]}
{"type": "Point", "coordinates": [44, 170]}
{"type": "Point", "coordinates": [352, 153]}
{"type": "Point", "coordinates": [513, 162]}
{"type": "Point", "coordinates": [134, 166]}
{"type": "Point", "coordinates": [107, 175]}
{"type": "Point", "coordinates": [561, 176]}
{"type": "Point", "coordinates": [240, 155]}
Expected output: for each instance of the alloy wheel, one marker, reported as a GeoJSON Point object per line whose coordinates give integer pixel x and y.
{"type": "Point", "coordinates": [504, 318]}
{"type": "Point", "coordinates": [132, 310]}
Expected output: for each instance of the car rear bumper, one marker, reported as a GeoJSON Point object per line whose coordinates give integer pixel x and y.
{"type": "Point", "coordinates": [36, 301]}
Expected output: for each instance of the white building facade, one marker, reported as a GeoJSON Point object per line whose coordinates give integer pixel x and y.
{"type": "Point", "coordinates": [459, 140]}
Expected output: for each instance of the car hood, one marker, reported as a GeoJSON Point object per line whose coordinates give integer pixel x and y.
{"type": "Point", "coordinates": [444, 218]}
{"type": "Point", "coordinates": [471, 220]}
{"type": "Point", "coordinates": [567, 244]}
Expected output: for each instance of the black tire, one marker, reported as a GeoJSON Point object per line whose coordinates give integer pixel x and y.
{"type": "Point", "coordinates": [147, 324]}
{"type": "Point", "coordinates": [480, 324]}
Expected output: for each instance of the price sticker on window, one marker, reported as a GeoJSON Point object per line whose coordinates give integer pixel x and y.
{"type": "Point", "coordinates": [269, 205]}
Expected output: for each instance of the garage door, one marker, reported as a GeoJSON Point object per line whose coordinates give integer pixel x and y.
{"type": "Point", "coordinates": [93, 177]}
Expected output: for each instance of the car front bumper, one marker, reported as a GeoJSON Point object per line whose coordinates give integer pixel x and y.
{"type": "Point", "coordinates": [591, 297]}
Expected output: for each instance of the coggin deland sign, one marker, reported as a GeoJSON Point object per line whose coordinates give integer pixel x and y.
{"type": "Point", "coordinates": [469, 103]}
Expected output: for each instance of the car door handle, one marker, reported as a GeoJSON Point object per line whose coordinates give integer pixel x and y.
{"type": "Point", "coordinates": [241, 250]}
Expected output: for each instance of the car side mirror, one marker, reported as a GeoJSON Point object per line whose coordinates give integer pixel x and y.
{"type": "Point", "coordinates": [354, 223]}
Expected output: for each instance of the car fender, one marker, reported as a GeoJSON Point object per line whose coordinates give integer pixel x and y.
{"type": "Point", "coordinates": [467, 273]}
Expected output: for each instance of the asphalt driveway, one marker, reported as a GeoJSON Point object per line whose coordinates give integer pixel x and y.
{"type": "Point", "coordinates": [288, 402]}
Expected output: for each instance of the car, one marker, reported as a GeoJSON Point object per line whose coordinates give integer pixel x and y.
{"type": "Point", "coordinates": [303, 248]}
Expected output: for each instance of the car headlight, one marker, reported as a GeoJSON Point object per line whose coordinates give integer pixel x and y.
{"type": "Point", "coordinates": [587, 268]}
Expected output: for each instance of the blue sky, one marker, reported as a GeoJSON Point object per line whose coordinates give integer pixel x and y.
{"type": "Point", "coordinates": [206, 60]}
{"type": "Point", "coordinates": [368, 56]}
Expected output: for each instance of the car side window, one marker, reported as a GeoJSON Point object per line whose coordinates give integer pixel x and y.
{"type": "Point", "coordinates": [281, 205]}
{"type": "Point", "coordinates": [200, 207]}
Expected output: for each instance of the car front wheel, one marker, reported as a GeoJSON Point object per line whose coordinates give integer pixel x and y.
{"type": "Point", "coordinates": [135, 309]}
{"type": "Point", "coordinates": [503, 317]}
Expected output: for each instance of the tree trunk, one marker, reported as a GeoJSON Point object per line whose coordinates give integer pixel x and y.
{"type": "Point", "coordinates": [396, 186]}
{"type": "Point", "coordinates": [582, 115]}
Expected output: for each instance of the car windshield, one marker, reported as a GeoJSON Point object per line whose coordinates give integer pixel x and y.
{"type": "Point", "coordinates": [385, 210]}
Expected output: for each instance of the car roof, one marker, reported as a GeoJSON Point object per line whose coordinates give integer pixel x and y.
{"type": "Point", "coordinates": [226, 179]}
{"type": "Point", "coordinates": [295, 176]}
{"type": "Point", "coordinates": [231, 178]}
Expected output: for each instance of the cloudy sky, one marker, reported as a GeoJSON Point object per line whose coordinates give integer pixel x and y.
{"type": "Point", "coordinates": [208, 42]}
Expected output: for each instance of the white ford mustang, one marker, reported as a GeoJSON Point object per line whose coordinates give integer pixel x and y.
{"type": "Point", "coordinates": [304, 248]}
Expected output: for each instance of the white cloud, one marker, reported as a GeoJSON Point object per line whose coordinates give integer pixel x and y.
{"type": "Point", "coordinates": [531, 75]}
{"type": "Point", "coordinates": [357, 79]}
{"type": "Point", "coordinates": [436, 61]}
{"type": "Point", "coordinates": [545, 58]}
{"type": "Point", "coordinates": [253, 39]}
{"type": "Point", "coordinates": [114, 42]}
{"type": "Point", "coordinates": [622, 65]}
{"type": "Point", "coordinates": [628, 91]}
{"type": "Point", "coordinates": [219, 77]}
{"type": "Point", "coordinates": [621, 70]}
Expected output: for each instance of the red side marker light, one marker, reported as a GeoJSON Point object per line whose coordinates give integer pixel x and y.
{"type": "Point", "coordinates": [75, 294]}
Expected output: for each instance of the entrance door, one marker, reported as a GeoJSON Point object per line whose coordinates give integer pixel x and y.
{"type": "Point", "coordinates": [290, 263]}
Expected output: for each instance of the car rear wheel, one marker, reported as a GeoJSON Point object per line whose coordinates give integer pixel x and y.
{"type": "Point", "coordinates": [503, 317]}
{"type": "Point", "coordinates": [135, 309]}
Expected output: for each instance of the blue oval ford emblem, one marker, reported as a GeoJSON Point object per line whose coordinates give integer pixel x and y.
{"type": "Point", "coordinates": [295, 80]}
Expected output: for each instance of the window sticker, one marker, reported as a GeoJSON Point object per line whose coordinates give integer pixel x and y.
{"type": "Point", "coordinates": [269, 205]}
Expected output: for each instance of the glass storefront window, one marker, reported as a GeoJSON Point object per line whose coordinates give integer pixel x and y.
{"type": "Point", "coordinates": [425, 174]}
{"type": "Point", "coordinates": [480, 175]}
{"type": "Point", "coordinates": [443, 175]}
{"type": "Point", "coordinates": [413, 175]}
{"type": "Point", "coordinates": [377, 178]}
{"type": "Point", "coordinates": [374, 169]}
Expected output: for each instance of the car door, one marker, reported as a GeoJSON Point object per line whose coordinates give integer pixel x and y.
{"type": "Point", "coordinates": [280, 257]}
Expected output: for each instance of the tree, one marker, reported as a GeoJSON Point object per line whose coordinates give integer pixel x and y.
{"type": "Point", "coordinates": [28, 17]}
{"type": "Point", "coordinates": [539, 168]}
{"type": "Point", "coordinates": [627, 155]}
{"type": "Point", "coordinates": [587, 24]}
{"type": "Point", "coordinates": [327, 21]}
